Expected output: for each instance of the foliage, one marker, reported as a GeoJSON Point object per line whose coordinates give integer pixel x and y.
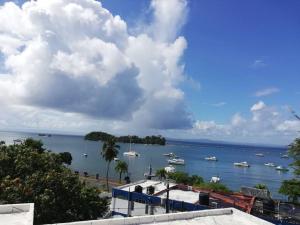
{"type": "Point", "coordinates": [161, 173]}
{"type": "Point", "coordinates": [28, 174]}
{"type": "Point", "coordinates": [184, 178]}
{"type": "Point", "coordinates": [2, 143]}
{"type": "Point", "coordinates": [261, 186]}
{"type": "Point", "coordinates": [121, 168]}
{"type": "Point", "coordinates": [109, 151]}
{"type": "Point", "coordinates": [102, 136]}
{"type": "Point", "coordinates": [294, 152]}
{"type": "Point", "coordinates": [218, 187]}
{"type": "Point", "coordinates": [66, 157]}
{"type": "Point", "coordinates": [291, 188]}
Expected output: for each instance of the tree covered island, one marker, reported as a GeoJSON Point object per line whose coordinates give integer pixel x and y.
{"type": "Point", "coordinates": [102, 136]}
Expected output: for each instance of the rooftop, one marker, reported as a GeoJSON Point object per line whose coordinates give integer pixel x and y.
{"type": "Point", "coordinates": [16, 214]}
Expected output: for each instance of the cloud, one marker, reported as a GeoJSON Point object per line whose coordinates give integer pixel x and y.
{"type": "Point", "coordinates": [267, 124]}
{"type": "Point", "coordinates": [74, 56]}
{"type": "Point", "coordinates": [266, 92]}
{"type": "Point", "coordinates": [258, 63]}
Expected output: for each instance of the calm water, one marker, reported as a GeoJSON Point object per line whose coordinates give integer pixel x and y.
{"type": "Point", "coordinates": [193, 154]}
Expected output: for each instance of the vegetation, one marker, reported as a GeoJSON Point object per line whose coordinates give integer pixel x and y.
{"type": "Point", "coordinates": [109, 151]}
{"type": "Point", "coordinates": [28, 173]}
{"type": "Point", "coordinates": [218, 187]}
{"type": "Point", "coordinates": [291, 188]}
{"type": "Point", "coordinates": [102, 136]}
{"type": "Point", "coordinates": [161, 173]}
{"type": "Point", "coordinates": [66, 157]}
{"type": "Point", "coordinates": [261, 186]}
{"type": "Point", "coordinates": [184, 178]}
{"type": "Point", "coordinates": [121, 168]}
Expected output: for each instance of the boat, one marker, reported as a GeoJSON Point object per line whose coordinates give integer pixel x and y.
{"type": "Point", "coordinates": [215, 179]}
{"type": "Point", "coordinates": [282, 168]}
{"type": "Point", "coordinates": [211, 158]}
{"type": "Point", "coordinates": [260, 154]}
{"type": "Point", "coordinates": [241, 164]}
{"type": "Point", "coordinates": [170, 169]}
{"type": "Point", "coordinates": [85, 155]}
{"type": "Point", "coordinates": [116, 159]}
{"type": "Point", "coordinates": [285, 156]}
{"type": "Point", "coordinates": [171, 154]}
{"type": "Point", "coordinates": [131, 153]}
{"type": "Point", "coordinates": [270, 164]}
{"type": "Point", "coordinates": [176, 161]}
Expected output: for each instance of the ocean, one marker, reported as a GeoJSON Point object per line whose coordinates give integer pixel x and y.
{"type": "Point", "coordinates": [193, 153]}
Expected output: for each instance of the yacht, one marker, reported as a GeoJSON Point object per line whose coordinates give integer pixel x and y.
{"type": "Point", "coordinates": [176, 161]}
{"type": "Point", "coordinates": [171, 154]}
{"type": "Point", "coordinates": [282, 168]}
{"type": "Point", "coordinates": [211, 158]}
{"type": "Point", "coordinates": [260, 154]}
{"type": "Point", "coordinates": [270, 164]}
{"type": "Point", "coordinates": [241, 164]}
{"type": "Point", "coordinates": [131, 153]}
{"type": "Point", "coordinates": [215, 179]}
{"type": "Point", "coordinates": [170, 169]}
{"type": "Point", "coordinates": [116, 159]}
{"type": "Point", "coordinates": [285, 156]}
{"type": "Point", "coordinates": [85, 155]}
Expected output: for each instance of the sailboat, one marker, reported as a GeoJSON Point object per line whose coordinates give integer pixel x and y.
{"type": "Point", "coordinates": [131, 152]}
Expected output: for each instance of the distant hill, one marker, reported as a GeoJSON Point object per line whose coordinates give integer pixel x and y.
{"type": "Point", "coordinates": [102, 136]}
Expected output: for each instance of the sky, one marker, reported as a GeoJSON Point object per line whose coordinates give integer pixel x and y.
{"type": "Point", "coordinates": [190, 69]}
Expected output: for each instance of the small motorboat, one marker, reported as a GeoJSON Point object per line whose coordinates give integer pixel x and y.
{"type": "Point", "coordinates": [211, 158]}
{"type": "Point", "coordinates": [285, 156]}
{"type": "Point", "coordinates": [241, 164]}
{"type": "Point", "coordinates": [85, 155]}
{"type": "Point", "coordinates": [131, 153]}
{"type": "Point", "coordinates": [116, 159]}
{"type": "Point", "coordinates": [260, 154]}
{"type": "Point", "coordinates": [215, 179]}
{"type": "Point", "coordinates": [282, 168]}
{"type": "Point", "coordinates": [170, 169]}
{"type": "Point", "coordinates": [270, 164]}
{"type": "Point", "coordinates": [171, 154]}
{"type": "Point", "coordinates": [176, 161]}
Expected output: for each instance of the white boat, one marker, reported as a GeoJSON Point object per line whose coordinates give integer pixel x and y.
{"type": "Point", "coordinates": [241, 164]}
{"type": "Point", "coordinates": [85, 155]}
{"type": "Point", "coordinates": [170, 169]}
{"type": "Point", "coordinates": [116, 159]}
{"type": "Point", "coordinates": [282, 168]}
{"type": "Point", "coordinates": [285, 156]}
{"type": "Point", "coordinates": [176, 161]}
{"type": "Point", "coordinates": [270, 164]}
{"type": "Point", "coordinates": [216, 179]}
{"type": "Point", "coordinates": [260, 154]}
{"type": "Point", "coordinates": [211, 158]}
{"type": "Point", "coordinates": [171, 154]}
{"type": "Point", "coordinates": [131, 153]}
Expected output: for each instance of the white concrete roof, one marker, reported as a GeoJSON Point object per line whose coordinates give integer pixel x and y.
{"type": "Point", "coordinates": [229, 216]}
{"type": "Point", "coordinates": [179, 195]}
{"type": "Point", "coordinates": [158, 185]}
{"type": "Point", "coordinates": [16, 214]}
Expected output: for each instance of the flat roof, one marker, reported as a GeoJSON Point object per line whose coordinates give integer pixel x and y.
{"type": "Point", "coordinates": [17, 214]}
{"type": "Point", "coordinates": [180, 195]}
{"type": "Point", "coordinates": [229, 216]}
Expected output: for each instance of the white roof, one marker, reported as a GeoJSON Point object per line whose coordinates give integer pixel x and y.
{"type": "Point", "coordinates": [229, 216]}
{"type": "Point", "coordinates": [16, 214]}
{"type": "Point", "coordinates": [179, 195]}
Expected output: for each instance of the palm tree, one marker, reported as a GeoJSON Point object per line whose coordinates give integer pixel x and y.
{"type": "Point", "coordinates": [121, 167]}
{"type": "Point", "coordinates": [161, 173]}
{"type": "Point", "coordinates": [110, 150]}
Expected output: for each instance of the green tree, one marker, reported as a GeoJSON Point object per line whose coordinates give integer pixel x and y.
{"type": "Point", "coordinates": [2, 143]}
{"type": "Point", "coordinates": [261, 186]}
{"type": "Point", "coordinates": [109, 151]}
{"type": "Point", "coordinates": [184, 178]}
{"type": "Point", "coordinates": [161, 173]}
{"type": "Point", "coordinates": [121, 168]}
{"type": "Point", "coordinates": [291, 188]}
{"type": "Point", "coordinates": [66, 157]}
{"type": "Point", "coordinates": [34, 144]}
{"type": "Point", "coordinates": [28, 175]}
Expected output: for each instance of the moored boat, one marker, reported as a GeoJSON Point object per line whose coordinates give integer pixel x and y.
{"type": "Point", "coordinates": [215, 179]}
{"type": "Point", "coordinates": [170, 169]}
{"type": "Point", "coordinates": [282, 168]}
{"type": "Point", "coordinates": [260, 154]}
{"type": "Point", "coordinates": [241, 164]}
{"type": "Point", "coordinates": [211, 158]}
{"type": "Point", "coordinates": [171, 154]}
{"type": "Point", "coordinates": [131, 153]}
{"type": "Point", "coordinates": [176, 161]}
{"type": "Point", "coordinates": [270, 164]}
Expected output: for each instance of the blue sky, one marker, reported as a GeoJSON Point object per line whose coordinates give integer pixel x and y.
{"type": "Point", "coordinates": [225, 70]}
{"type": "Point", "coordinates": [225, 38]}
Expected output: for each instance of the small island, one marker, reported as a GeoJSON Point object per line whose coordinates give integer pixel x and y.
{"type": "Point", "coordinates": [102, 136]}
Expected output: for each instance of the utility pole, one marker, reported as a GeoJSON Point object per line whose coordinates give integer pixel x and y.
{"type": "Point", "coordinates": [167, 200]}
